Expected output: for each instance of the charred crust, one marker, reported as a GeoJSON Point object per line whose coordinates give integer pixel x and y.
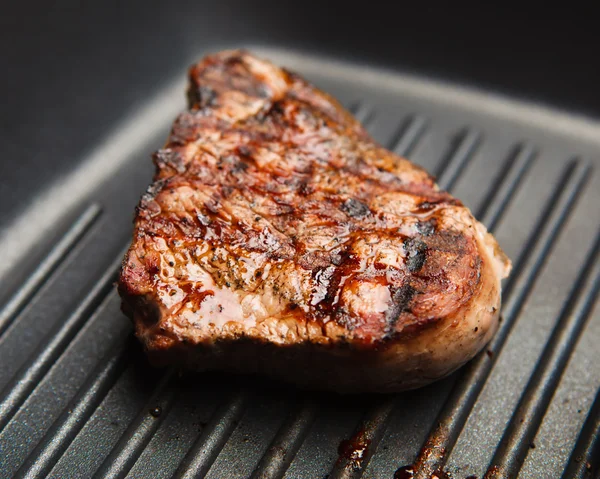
{"type": "Point", "coordinates": [139, 308]}
{"type": "Point", "coordinates": [169, 158]}
{"type": "Point", "coordinates": [449, 241]}
{"type": "Point", "coordinates": [153, 190]}
{"type": "Point", "coordinates": [277, 108]}
{"type": "Point", "coordinates": [355, 208]}
{"type": "Point", "coordinates": [342, 318]}
{"type": "Point", "coordinates": [201, 96]}
{"type": "Point", "coordinates": [305, 189]}
{"type": "Point", "coordinates": [184, 129]}
{"type": "Point", "coordinates": [244, 151]}
{"type": "Point", "coordinates": [239, 167]}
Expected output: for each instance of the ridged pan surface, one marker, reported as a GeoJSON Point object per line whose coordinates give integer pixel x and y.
{"type": "Point", "coordinates": [77, 398]}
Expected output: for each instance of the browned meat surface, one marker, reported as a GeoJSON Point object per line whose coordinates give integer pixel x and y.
{"type": "Point", "coordinates": [278, 238]}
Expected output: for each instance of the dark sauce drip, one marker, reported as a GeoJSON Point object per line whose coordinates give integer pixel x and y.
{"type": "Point", "coordinates": [194, 295]}
{"type": "Point", "coordinates": [346, 265]}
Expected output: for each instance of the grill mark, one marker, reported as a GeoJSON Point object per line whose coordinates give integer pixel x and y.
{"type": "Point", "coordinates": [357, 167]}
{"type": "Point", "coordinates": [416, 251]}
{"type": "Point", "coordinates": [401, 299]}
{"type": "Point", "coordinates": [575, 456]}
{"type": "Point", "coordinates": [201, 96]}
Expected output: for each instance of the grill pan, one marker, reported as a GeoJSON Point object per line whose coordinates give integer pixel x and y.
{"type": "Point", "coordinates": [77, 398]}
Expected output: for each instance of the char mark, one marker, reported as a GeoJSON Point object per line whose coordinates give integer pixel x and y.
{"type": "Point", "coordinates": [416, 253]}
{"type": "Point", "coordinates": [166, 157]}
{"type": "Point", "coordinates": [203, 96]}
{"type": "Point", "coordinates": [152, 190]}
{"type": "Point", "coordinates": [401, 298]}
{"type": "Point", "coordinates": [355, 208]}
{"type": "Point", "coordinates": [426, 228]}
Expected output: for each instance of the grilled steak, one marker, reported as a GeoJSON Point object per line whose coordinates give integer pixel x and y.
{"type": "Point", "coordinates": [278, 238]}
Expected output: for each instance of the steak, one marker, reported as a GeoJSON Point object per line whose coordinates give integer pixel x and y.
{"type": "Point", "coordinates": [278, 238]}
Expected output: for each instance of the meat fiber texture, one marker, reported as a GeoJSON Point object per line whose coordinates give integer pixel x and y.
{"type": "Point", "coordinates": [278, 238]}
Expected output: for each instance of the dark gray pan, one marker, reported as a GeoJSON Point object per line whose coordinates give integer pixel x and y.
{"type": "Point", "coordinates": [77, 398]}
